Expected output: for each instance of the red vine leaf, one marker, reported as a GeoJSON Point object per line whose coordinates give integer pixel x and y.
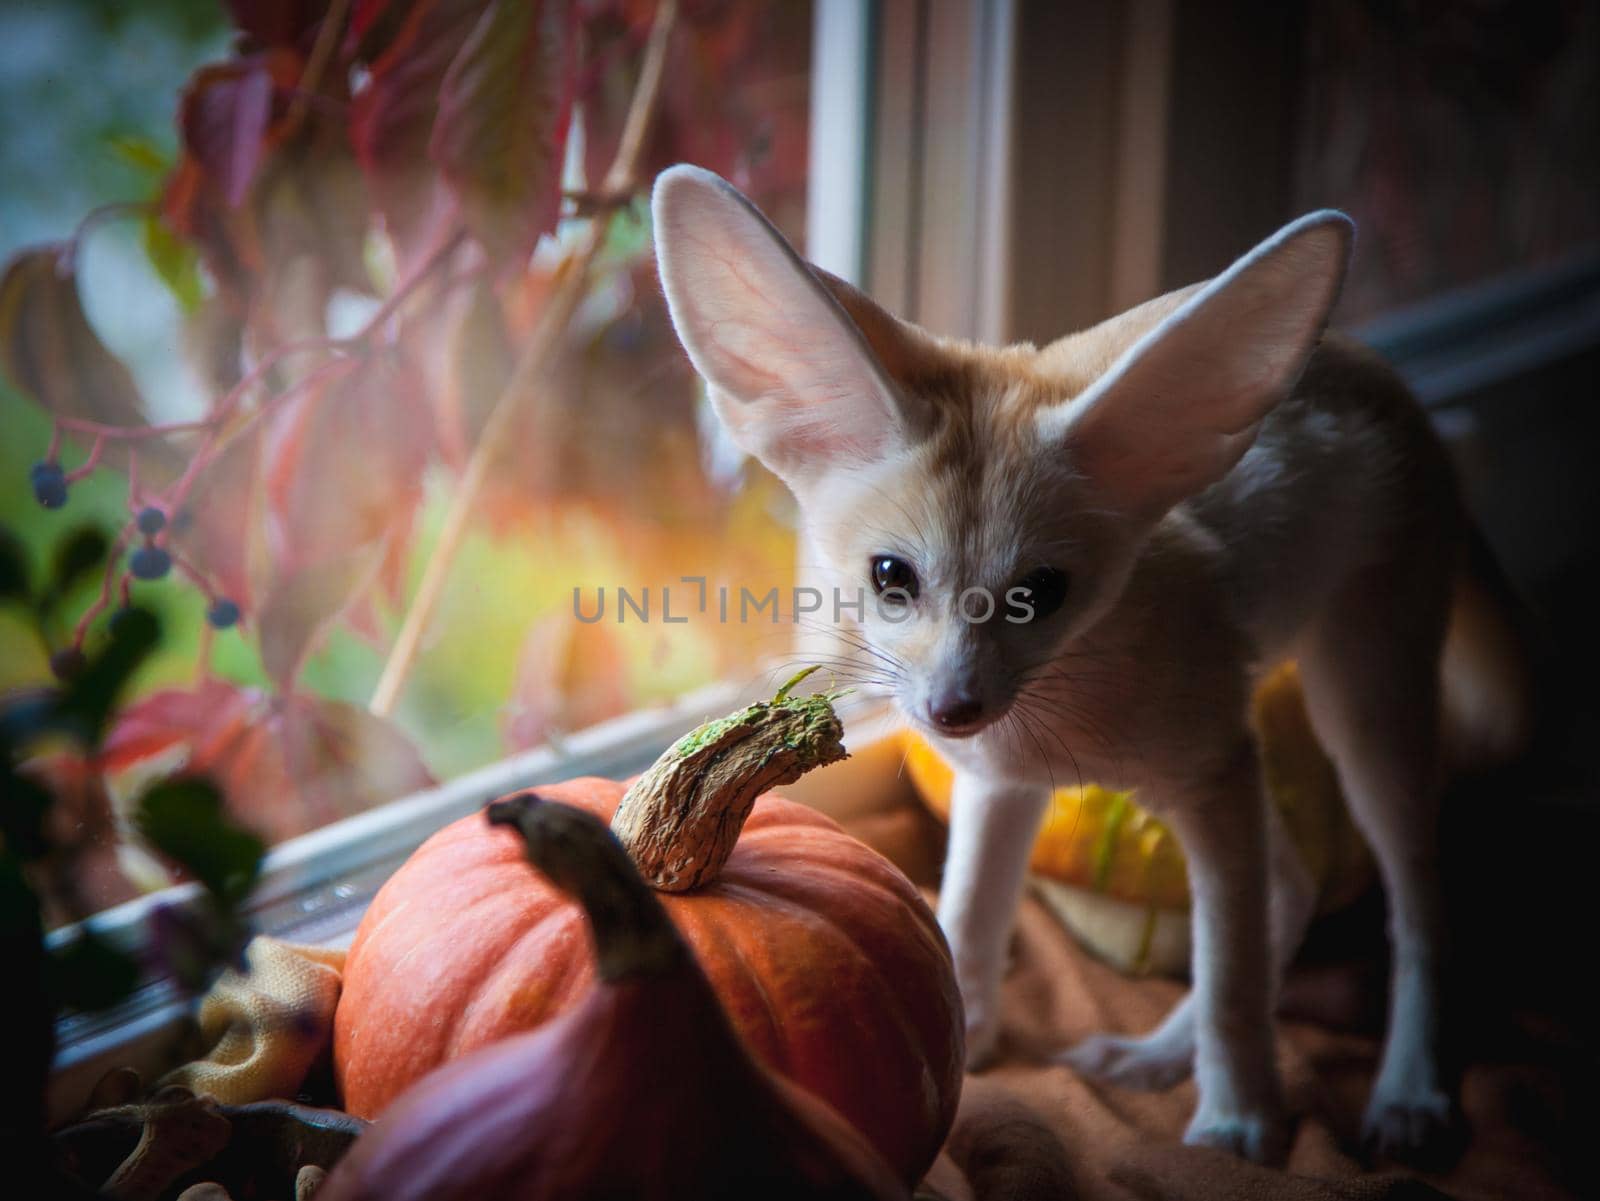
{"type": "Point", "coordinates": [258, 192]}
{"type": "Point", "coordinates": [225, 114]}
{"type": "Point", "coordinates": [161, 722]}
{"type": "Point", "coordinates": [409, 46]}
{"type": "Point", "coordinates": [277, 22]}
{"type": "Point", "coordinates": [193, 208]}
{"type": "Point", "coordinates": [504, 110]}
{"type": "Point", "coordinates": [733, 97]}
{"type": "Point", "coordinates": [217, 528]}
{"type": "Point", "coordinates": [312, 202]}
{"type": "Point", "coordinates": [344, 464]}
{"type": "Point", "coordinates": [345, 459]}
{"type": "Point", "coordinates": [285, 765]}
{"type": "Point", "coordinates": [569, 675]}
{"type": "Point", "coordinates": [389, 583]}
{"type": "Point", "coordinates": [301, 606]}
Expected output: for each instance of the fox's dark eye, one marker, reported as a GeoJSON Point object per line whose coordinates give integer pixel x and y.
{"type": "Point", "coordinates": [1045, 588]}
{"type": "Point", "coordinates": [892, 574]}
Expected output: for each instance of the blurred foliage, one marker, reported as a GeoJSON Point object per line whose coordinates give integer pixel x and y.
{"type": "Point", "coordinates": [51, 735]}
{"type": "Point", "coordinates": [407, 164]}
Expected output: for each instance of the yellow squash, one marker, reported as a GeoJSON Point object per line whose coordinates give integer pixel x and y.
{"type": "Point", "coordinates": [1115, 873]}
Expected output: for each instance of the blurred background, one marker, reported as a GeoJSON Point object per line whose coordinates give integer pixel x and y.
{"type": "Point", "coordinates": [1002, 169]}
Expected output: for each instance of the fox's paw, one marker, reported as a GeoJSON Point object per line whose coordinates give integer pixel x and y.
{"type": "Point", "coordinates": [1416, 1125]}
{"type": "Point", "coordinates": [1261, 1137]}
{"type": "Point", "coordinates": [1147, 1064]}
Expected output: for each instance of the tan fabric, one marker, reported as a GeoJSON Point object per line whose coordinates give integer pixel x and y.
{"type": "Point", "coordinates": [265, 1028]}
{"type": "Point", "coordinates": [1027, 1125]}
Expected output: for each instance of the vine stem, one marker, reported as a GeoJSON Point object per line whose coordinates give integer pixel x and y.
{"type": "Point", "coordinates": [108, 584]}
{"type": "Point", "coordinates": [115, 211]}
{"type": "Point", "coordinates": [231, 399]}
{"type": "Point", "coordinates": [530, 367]}
{"type": "Point", "coordinates": [90, 463]}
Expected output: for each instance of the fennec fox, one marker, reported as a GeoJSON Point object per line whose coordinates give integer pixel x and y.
{"type": "Point", "coordinates": [1147, 513]}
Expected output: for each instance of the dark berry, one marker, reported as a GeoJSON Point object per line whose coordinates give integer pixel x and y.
{"type": "Point", "coordinates": [151, 520]}
{"type": "Point", "coordinates": [150, 563]}
{"type": "Point", "coordinates": [223, 613]}
{"type": "Point", "coordinates": [49, 484]}
{"type": "Point", "coordinates": [67, 662]}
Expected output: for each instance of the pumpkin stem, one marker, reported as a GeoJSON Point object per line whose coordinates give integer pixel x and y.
{"type": "Point", "coordinates": [681, 819]}
{"type": "Point", "coordinates": [633, 935]}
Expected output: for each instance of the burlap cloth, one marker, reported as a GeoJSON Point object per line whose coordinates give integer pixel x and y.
{"type": "Point", "coordinates": [1029, 1129]}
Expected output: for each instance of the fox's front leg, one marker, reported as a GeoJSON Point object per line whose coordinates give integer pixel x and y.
{"type": "Point", "coordinates": [993, 824]}
{"type": "Point", "coordinates": [1223, 830]}
{"type": "Point", "coordinates": [1165, 1056]}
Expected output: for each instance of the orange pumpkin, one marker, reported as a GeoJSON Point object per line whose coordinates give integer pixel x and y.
{"type": "Point", "coordinates": [823, 954]}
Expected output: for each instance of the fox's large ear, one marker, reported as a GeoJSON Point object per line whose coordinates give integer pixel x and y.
{"type": "Point", "coordinates": [790, 374]}
{"type": "Point", "coordinates": [1176, 411]}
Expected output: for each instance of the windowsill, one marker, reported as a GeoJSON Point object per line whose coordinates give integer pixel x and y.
{"type": "Point", "coordinates": [315, 888]}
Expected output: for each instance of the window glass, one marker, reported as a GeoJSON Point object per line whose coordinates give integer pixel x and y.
{"type": "Point", "coordinates": [418, 428]}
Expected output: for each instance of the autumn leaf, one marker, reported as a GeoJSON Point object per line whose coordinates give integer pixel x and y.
{"type": "Point", "coordinates": [257, 190]}
{"type": "Point", "coordinates": [227, 120]}
{"type": "Point", "coordinates": [277, 22]}
{"type": "Point", "coordinates": [345, 457]}
{"type": "Point", "coordinates": [301, 605]}
{"type": "Point", "coordinates": [226, 238]}
{"type": "Point", "coordinates": [197, 719]}
{"type": "Point", "coordinates": [49, 350]}
{"type": "Point", "coordinates": [311, 201]}
{"type": "Point", "coordinates": [408, 47]}
{"type": "Point", "coordinates": [217, 528]}
{"type": "Point", "coordinates": [284, 765]}
{"type": "Point", "coordinates": [733, 98]}
{"type": "Point", "coordinates": [344, 462]}
{"type": "Point", "coordinates": [225, 114]}
{"type": "Point", "coordinates": [504, 110]}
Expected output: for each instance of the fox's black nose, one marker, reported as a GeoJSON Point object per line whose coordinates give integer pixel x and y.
{"type": "Point", "coordinates": [955, 710]}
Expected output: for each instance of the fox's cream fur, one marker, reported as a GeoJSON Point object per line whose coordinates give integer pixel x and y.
{"type": "Point", "coordinates": [1218, 486]}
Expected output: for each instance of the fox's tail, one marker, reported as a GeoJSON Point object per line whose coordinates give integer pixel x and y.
{"type": "Point", "coordinates": [1489, 704]}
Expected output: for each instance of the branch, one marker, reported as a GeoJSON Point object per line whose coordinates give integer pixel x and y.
{"type": "Point", "coordinates": [530, 367]}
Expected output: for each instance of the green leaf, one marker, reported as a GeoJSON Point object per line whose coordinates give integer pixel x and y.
{"type": "Point", "coordinates": [89, 973]}
{"type": "Point", "coordinates": [175, 261]}
{"type": "Point", "coordinates": [13, 567]}
{"type": "Point", "coordinates": [79, 553]}
{"type": "Point", "coordinates": [20, 921]}
{"type": "Point", "coordinates": [22, 815]}
{"type": "Point", "coordinates": [185, 820]}
{"type": "Point", "coordinates": [87, 700]}
{"type": "Point", "coordinates": [142, 155]}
